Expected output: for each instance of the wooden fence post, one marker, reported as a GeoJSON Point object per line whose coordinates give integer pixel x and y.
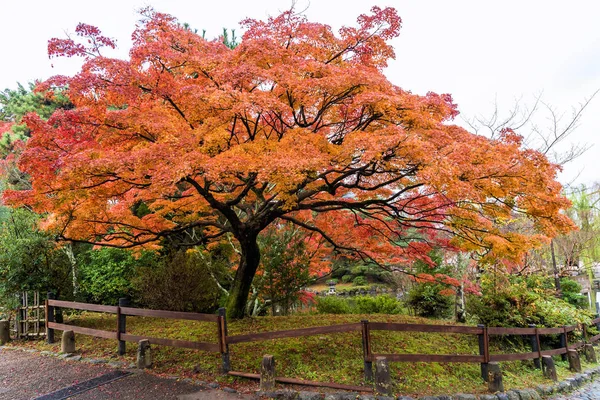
{"type": "Point", "coordinates": [597, 316]}
{"type": "Point", "coordinates": [222, 327]}
{"type": "Point", "coordinates": [483, 350]}
{"type": "Point", "coordinates": [267, 373]}
{"type": "Point", "coordinates": [533, 339]}
{"type": "Point", "coordinates": [122, 324]}
{"type": "Point", "coordinates": [50, 318]}
{"type": "Point", "coordinates": [366, 343]}
{"type": "Point", "coordinates": [564, 343]}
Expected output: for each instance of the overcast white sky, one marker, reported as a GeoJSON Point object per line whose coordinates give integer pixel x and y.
{"type": "Point", "coordinates": [482, 52]}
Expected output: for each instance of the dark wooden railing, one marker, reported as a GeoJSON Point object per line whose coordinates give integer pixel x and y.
{"type": "Point", "coordinates": [365, 327]}
{"type": "Point", "coordinates": [119, 332]}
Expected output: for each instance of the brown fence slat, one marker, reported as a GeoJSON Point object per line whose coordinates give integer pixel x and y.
{"type": "Point", "coordinates": [554, 352]}
{"type": "Point", "coordinates": [577, 345]}
{"type": "Point", "coordinates": [595, 338]}
{"type": "Point", "coordinates": [514, 356]}
{"type": "Point", "coordinates": [443, 358]}
{"type": "Point", "coordinates": [293, 381]}
{"type": "Point", "coordinates": [169, 314]}
{"type": "Point", "coordinates": [550, 331]}
{"type": "Point", "coordinates": [391, 326]}
{"type": "Point", "coordinates": [214, 347]}
{"type": "Point", "coordinates": [319, 330]}
{"type": "Point", "coordinates": [82, 306]}
{"type": "Point", "coordinates": [512, 331]}
{"type": "Point", "coordinates": [595, 321]}
{"type": "Point", "coordinates": [570, 328]}
{"type": "Point", "coordinates": [84, 331]}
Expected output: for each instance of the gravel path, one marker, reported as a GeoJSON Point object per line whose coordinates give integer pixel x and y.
{"type": "Point", "coordinates": [26, 376]}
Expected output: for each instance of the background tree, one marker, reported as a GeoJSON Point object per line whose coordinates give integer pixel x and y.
{"type": "Point", "coordinates": [285, 268]}
{"type": "Point", "coordinates": [295, 123]}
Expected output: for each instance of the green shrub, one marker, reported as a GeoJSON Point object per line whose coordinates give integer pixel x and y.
{"type": "Point", "coordinates": [514, 302]}
{"type": "Point", "coordinates": [427, 301]}
{"type": "Point", "coordinates": [347, 278]}
{"type": "Point", "coordinates": [377, 305]}
{"type": "Point", "coordinates": [333, 305]}
{"type": "Point", "coordinates": [359, 281]}
{"type": "Point", "coordinates": [105, 274]}
{"type": "Point", "coordinates": [180, 282]}
{"type": "Point", "coordinates": [571, 293]}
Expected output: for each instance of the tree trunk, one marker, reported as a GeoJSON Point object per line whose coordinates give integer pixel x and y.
{"type": "Point", "coordinates": [68, 250]}
{"type": "Point", "coordinates": [238, 294]}
{"type": "Point", "coordinates": [556, 272]}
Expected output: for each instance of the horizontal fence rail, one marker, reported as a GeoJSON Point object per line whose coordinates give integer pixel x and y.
{"type": "Point", "coordinates": [83, 306]}
{"type": "Point", "coordinates": [532, 334]}
{"type": "Point", "coordinates": [120, 330]}
{"type": "Point", "coordinates": [141, 312]}
{"type": "Point", "coordinates": [320, 330]}
{"type": "Point", "coordinates": [388, 326]}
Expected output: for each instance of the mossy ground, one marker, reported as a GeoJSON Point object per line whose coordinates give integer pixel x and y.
{"type": "Point", "coordinates": [326, 358]}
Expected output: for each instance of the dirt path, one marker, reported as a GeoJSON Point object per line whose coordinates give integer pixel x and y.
{"type": "Point", "coordinates": [26, 376]}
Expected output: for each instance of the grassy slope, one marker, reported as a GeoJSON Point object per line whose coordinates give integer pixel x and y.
{"type": "Point", "coordinates": [334, 357]}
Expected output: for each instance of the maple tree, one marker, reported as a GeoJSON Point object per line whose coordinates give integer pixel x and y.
{"type": "Point", "coordinates": [189, 138]}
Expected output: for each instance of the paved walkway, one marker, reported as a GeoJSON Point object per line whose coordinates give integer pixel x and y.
{"type": "Point", "coordinates": [25, 376]}
{"type": "Point", "coordinates": [589, 392]}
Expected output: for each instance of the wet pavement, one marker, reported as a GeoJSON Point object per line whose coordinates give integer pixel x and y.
{"type": "Point", "coordinates": [588, 392]}
{"type": "Point", "coordinates": [25, 376]}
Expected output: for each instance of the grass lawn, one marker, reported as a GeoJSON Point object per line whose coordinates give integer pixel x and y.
{"type": "Point", "coordinates": [326, 358]}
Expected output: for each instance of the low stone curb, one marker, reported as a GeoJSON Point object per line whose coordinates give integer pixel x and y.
{"type": "Point", "coordinates": [542, 391]}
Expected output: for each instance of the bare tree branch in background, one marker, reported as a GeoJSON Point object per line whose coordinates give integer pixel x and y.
{"type": "Point", "coordinates": [542, 125]}
{"type": "Point", "coordinates": [546, 129]}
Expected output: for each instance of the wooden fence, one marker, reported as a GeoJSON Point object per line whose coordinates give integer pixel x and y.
{"type": "Point", "coordinates": [120, 331]}
{"type": "Point", "coordinates": [533, 334]}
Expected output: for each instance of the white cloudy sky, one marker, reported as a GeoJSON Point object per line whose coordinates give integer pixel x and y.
{"type": "Point", "coordinates": [482, 52]}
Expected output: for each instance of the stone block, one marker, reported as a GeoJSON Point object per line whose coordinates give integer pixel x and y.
{"type": "Point", "coordinates": [590, 353]}
{"type": "Point", "coordinates": [310, 396]}
{"type": "Point", "coordinates": [4, 332]}
{"type": "Point", "coordinates": [463, 396]}
{"type": "Point", "coordinates": [494, 378]}
{"type": "Point", "coordinates": [67, 345]}
{"type": "Point", "coordinates": [144, 354]}
{"type": "Point", "coordinates": [513, 395]}
{"type": "Point", "coordinates": [383, 380]}
{"type": "Point", "coordinates": [549, 368]}
{"type": "Point", "coordinates": [574, 361]}
{"type": "Point", "coordinates": [267, 373]}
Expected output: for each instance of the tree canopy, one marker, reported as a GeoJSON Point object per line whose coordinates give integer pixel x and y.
{"type": "Point", "coordinates": [191, 139]}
